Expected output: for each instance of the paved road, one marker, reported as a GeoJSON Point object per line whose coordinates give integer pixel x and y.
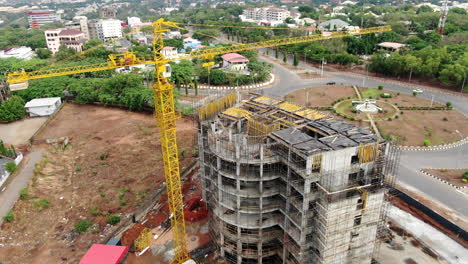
{"type": "Point", "coordinates": [411, 161]}
{"type": "Point", "coordinates": [10, 195]}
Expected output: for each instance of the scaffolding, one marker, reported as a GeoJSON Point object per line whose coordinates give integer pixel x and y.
{"type": "Point", "coordinates": [282, 186]}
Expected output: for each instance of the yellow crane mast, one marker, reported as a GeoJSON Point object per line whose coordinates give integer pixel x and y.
{"type": "Point", "coordinates": [165, 111]}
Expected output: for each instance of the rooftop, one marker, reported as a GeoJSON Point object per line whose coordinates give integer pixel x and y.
{"type": "Point", "coordinates": [334, 22]}
{"type": "Point", "coordinates": [42, 102]}
{"type": "Point", "coordinates": [391, 45]}
{"type": "Point", "coordinates": [104, 254]}
{"type": "Point", "coordinates": [307, 130]}
{"type": "Point", "coordinates": [234, 57]}
{"type": "Point", "coordinates": [68, 32]}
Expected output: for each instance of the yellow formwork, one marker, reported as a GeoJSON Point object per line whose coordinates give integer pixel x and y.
{"type": "Point", "coordinates": [266, 100]}
{"type": "Point", "coordinates": [317, 162]}
{"type": "Point", "coordinates": [260, 128]}
{"type": "Point", "coordinates": [143, 240]}
{"type": "Point", "coordinates": [311, 114]}
{"type": "Point", "coordinates": [289, 107]}
{"type": "Point", "coordinates": [237, 112]}
{"type": "Point", "coordinates": [217, 106]}
{"type": "Point", "coordinates": [366, 153]}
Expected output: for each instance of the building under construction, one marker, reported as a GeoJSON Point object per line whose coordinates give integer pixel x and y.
{"type": "Point", "coordinates": [286, 184]}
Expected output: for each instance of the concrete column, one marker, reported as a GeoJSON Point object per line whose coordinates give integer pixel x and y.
{"type": "Point", "coordinates": [221, 240]}
{"type": "Point", "coordinates": [309, 165]}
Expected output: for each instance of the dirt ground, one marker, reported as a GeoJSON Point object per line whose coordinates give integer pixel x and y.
{"type": "Point", "coordinates": [453, 176]}
{"type": "Point", "coordinates": [19, 132]}
{"type": "Point", "coordinates": [403, 99]}
{"type": "Point", "coordinates": [322, 95]}
{"type": "Point", "coordinates": [413, 127]}
{"type": "Point", "coordinates": [112, 163]}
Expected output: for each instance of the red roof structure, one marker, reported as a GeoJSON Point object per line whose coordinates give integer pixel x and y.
{"type": "Point", "coordinates": [104, 254]}
{"type": "Point", "coordinates": [234, 58]}
{"type": "Point", "coordinates": [68, 32]}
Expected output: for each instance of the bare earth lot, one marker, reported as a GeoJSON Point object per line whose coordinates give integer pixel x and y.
{"type": "Point", "coordinates": [322, 95]}
{"type": "Point", "coordinates": [413, 127]}
{"type": "Point", "coordinates": [453, 176]}
{"type": "Point", "coordinates": [112, 163]}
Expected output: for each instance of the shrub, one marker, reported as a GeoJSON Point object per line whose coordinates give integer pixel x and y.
{"type": "Point", "coordinates": [396, 116]}
{"type": "Point", "coordinates": [183, 152]}
{"type": "Point", "coordinates": [449, 105]}
{"type": "Point", "coordinates": [12, 109]}
{"type": "Point", "coordinates": [426, 143]}
{"type": "Point", "coordinates": [94, 211]}
{"type": "Point", "coordinates": [11, 167]}
{"type": "Point", "coordinates": [380, 87]}
{"type": "Point", "coordinates": [24, 194]}
{"type": "Point", "coordinates": [465, 176]}
{"type": "Point", "coordinates": [82, 226]}
{"type": "Point", "coordinates": [445, 119]}
{"type": "Point", "coordinates": [9, 217]}
{"type": "Point", "coordinates": [415, 93]}
{"type": "Point", "coordinates": [104, 156]}
{"type": "Point", "coordinates": [113, 219]}
{"type": "Point", "coordinates": [41, 204]}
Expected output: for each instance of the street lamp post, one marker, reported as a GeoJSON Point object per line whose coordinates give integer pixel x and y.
{"type": "Point", "coordinates": [463, 84]}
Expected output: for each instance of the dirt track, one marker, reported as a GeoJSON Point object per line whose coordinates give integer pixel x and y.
{"type": "Point", "coordinates": [111, 165]}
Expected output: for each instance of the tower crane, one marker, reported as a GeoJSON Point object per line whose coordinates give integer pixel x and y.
{"type": "Point", "coordinates": [164, 106]}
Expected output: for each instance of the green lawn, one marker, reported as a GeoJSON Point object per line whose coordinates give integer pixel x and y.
{"type": "Point", "coordinates": [371, 92]}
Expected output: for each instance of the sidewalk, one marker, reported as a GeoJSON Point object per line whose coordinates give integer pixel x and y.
{"type": "Point", "coordinates": [10, 194]}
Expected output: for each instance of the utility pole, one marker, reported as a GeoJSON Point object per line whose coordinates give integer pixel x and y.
{"type": "Point", "coordinates": [323, 62]}
{"type": "Point", "coordinates": [432, 100]}
{"type": "Point", "coordinates": [410, 73]}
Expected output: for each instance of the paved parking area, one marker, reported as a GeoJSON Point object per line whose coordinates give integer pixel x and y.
{"type": "Point", "coordinates": [19, 132]}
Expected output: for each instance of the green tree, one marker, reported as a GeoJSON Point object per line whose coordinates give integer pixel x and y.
{"type": "Point", "coordinates": [182, 72]}
{"type": "Point", "coordinates": [296, 59]}
{"type": "Point", "coordinates": [43, 53]}
{"type": "Point", "coordinates": [217, 77]}
{"type": "Point", "coordinates": [64, 52]}
{"type": "Point", "coordinates": [285, 56]}
{"type": "Point", "coordinates": [453, 75]}
{"type": "Point", "coordinates": [12, 109]}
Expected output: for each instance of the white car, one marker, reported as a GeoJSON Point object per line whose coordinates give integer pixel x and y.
{"type": "Point", "coordinates": [418, 91]}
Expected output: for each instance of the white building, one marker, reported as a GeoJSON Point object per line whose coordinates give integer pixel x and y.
{"type": "Point", "coordinates": [133, 20]}
{"type": "Point", "coordinates": [265, 14]}
{"type": "Point", "coordinates": [53, 39]}
{"type": "Point", "coordinates": [235, 62]}
{"type": "Point", "coordinates": [169, 52]}
{"type": "Point", "coordinates": [43, 106]}
{"type": "Point", "coordinates": [111, 28]}
{"type": "Point", "coordinates": [71, 38]}
{"type": "Point", "coordinates": [105, 29]}
{"type": "Point", "coordinates": [336, 24]}
{"type": "Point", "coordinates": [38, 18]}
{"type": "Point", "coordinates": [24, 53]}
